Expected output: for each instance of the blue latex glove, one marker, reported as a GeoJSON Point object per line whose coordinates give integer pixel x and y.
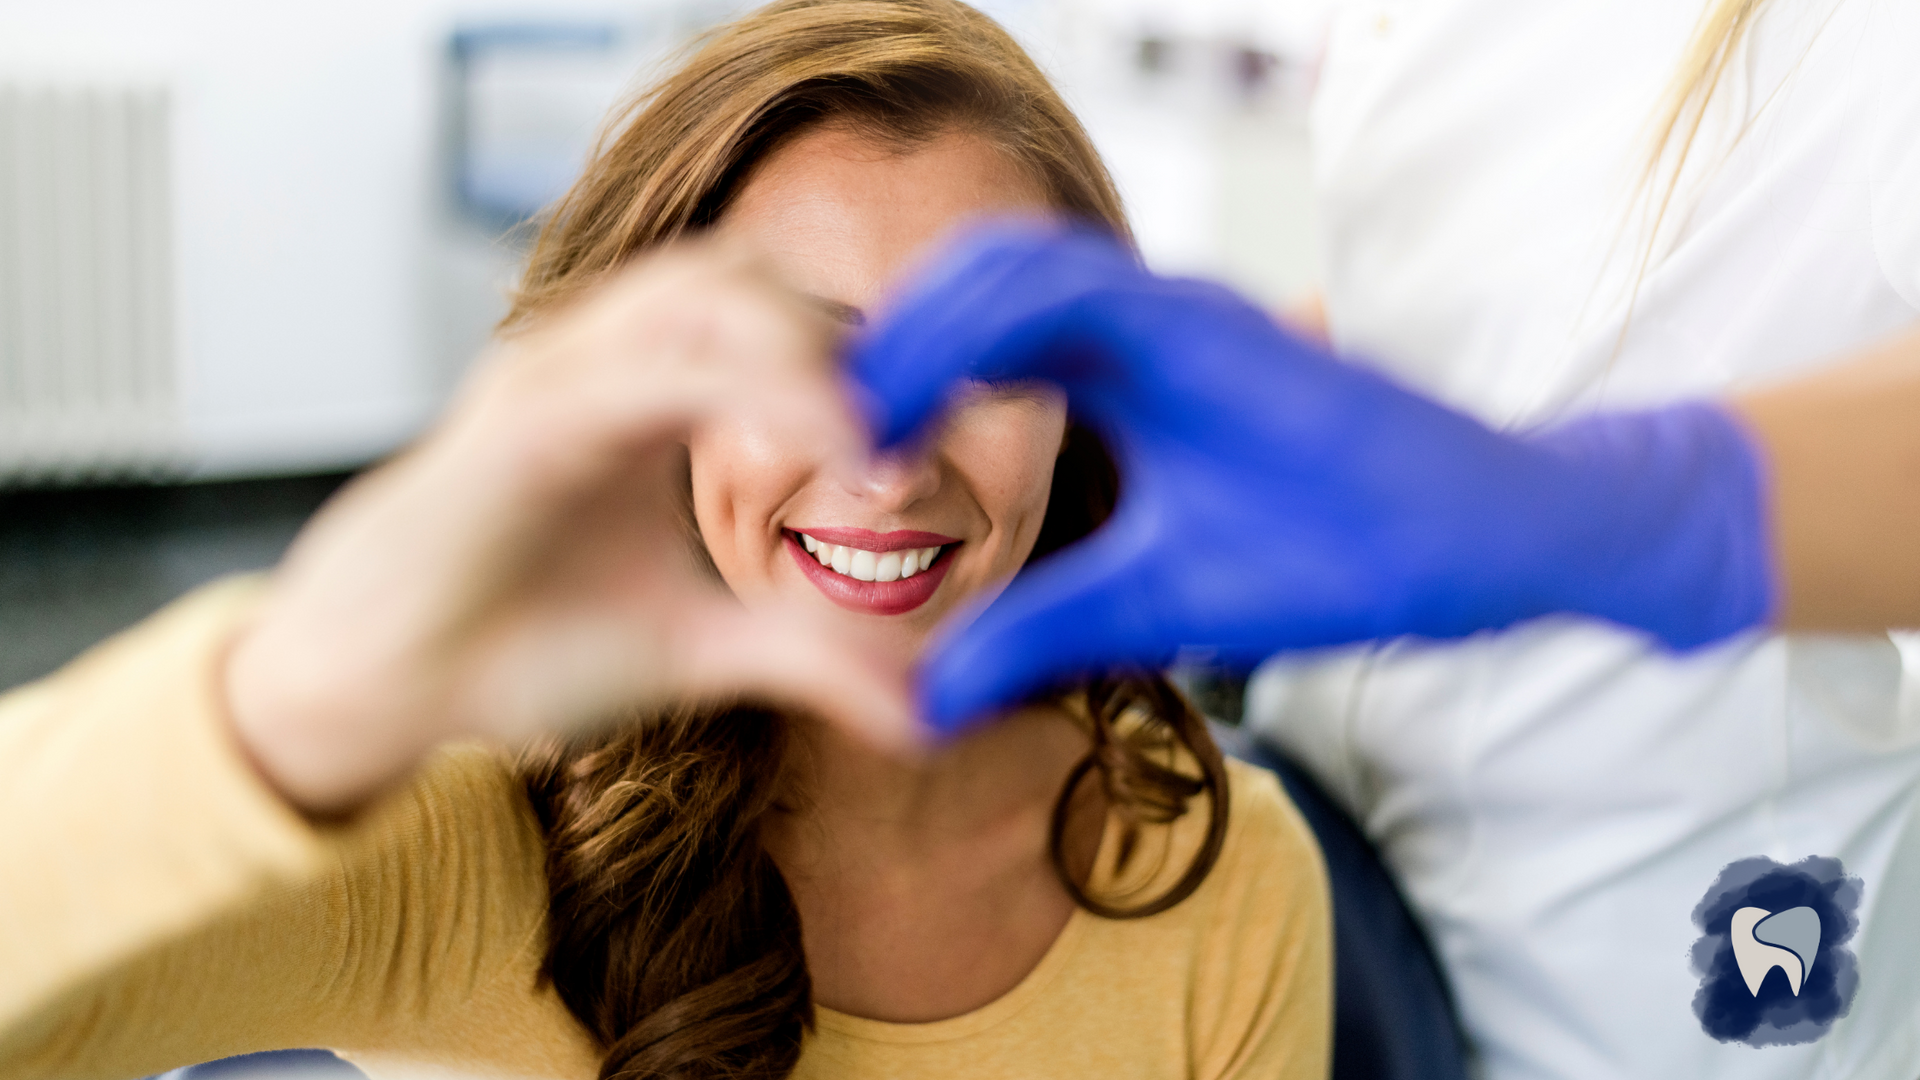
{"type": "Point", "coordinates": [1275, 498]}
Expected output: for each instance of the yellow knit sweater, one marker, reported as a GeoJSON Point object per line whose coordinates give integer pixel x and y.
{"type": "Point", "coordinates": [160, 906]}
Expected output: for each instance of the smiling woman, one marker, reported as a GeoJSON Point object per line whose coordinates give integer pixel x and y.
{"type": "Point", "coordinates": [846, 140]}
{"type": "Point", "coordinates": [639, 548]}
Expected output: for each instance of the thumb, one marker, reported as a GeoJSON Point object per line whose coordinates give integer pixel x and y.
{"type": "Point", "coordinates": [1077, 613]}
{"type": "Point", "coordinates": [790, 658]}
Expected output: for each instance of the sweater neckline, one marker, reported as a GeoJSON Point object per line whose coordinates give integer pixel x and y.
{"type": "Point", "coordinates": [993, 1012]}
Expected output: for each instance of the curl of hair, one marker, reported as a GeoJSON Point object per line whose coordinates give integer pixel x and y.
{"type": "Point", "coordinates": [671, 934]}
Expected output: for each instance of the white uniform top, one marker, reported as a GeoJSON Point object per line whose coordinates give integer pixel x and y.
{"type": "Point", "coordinates": [1557, 798]}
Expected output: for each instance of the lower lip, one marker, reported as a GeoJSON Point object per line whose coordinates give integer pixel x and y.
{"type": "Point", "coordinates": [871, 597]}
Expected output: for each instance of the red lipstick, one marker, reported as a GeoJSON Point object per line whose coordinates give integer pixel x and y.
{"type": "Point", "coordinates": [868, 540]}
{"type": "Point", "coordinates": [873, 597]}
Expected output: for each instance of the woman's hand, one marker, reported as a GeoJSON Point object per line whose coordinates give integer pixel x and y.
{"type": "Point", "coordinates": [531, 563]}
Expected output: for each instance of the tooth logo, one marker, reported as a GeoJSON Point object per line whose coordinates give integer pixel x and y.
{"type": "Point", "coordinates": [1764, 940]}
{"type": "Point", "coordinates": [1758, 916]}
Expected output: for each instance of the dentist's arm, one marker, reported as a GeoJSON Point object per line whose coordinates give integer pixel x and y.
{"type": "Point", "coordinates": [1843, 458]}
{"type": "Point", "coordinates": [1277, 498]}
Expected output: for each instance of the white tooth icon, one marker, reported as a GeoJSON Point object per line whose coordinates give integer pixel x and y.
{"type": "Point", "coordinates": [1764, 940]}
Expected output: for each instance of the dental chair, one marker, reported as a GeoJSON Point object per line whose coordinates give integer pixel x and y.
{"type": "Point", "coordinates": [1393, 1016]}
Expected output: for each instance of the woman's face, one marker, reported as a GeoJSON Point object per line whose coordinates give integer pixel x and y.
{"type": "Point", "coordinates": [899, 546]}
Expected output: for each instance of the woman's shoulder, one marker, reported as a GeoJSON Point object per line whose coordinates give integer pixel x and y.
{"type": "Point", "coordinates": [1265, 831]}
{"type": "Point", "coordinates": [1268, 851]}
{"type": "Point", "coordinates": [1269, 880]}
{"type": "Point", "coordinates": [1235, 980]}
{"type": "Point", "coordinates": [1262, 978]}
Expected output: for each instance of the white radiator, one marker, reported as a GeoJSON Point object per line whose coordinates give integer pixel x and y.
{"type": "Point", "coordinates": [87, 342]}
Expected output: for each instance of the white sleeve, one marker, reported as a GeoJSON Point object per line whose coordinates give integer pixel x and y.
{"type": "Point", "coordinates": [1302, 705]}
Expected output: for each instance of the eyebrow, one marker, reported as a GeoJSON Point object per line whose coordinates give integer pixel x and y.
{"type": "Point", "coordinates": [838, 311]}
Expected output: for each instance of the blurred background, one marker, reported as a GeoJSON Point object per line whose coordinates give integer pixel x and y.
{"type": "Point", "coordinates": [248, 248]}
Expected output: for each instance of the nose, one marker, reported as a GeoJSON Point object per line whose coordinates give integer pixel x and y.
{"type": "Point", "coordinates": [895, 481]}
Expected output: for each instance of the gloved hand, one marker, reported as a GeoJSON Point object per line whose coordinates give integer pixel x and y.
{"type": "Point", "coordinates": [1276, 498]}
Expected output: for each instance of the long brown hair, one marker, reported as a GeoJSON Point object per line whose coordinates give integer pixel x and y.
{"type": "Point", "coordinates": [904, 71]}
{"type": "Point", "coordinates": [672, 936]}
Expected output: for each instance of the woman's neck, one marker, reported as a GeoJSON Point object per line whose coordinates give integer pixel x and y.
{"type": "Point", "coordinates": [925, 887]}
{"type": "Point", "coordinates": [1009, 768]}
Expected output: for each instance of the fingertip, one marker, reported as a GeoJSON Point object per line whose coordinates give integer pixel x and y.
{"type": "Point", "coordinates": [900, 369]}
{"type": "Point", "coordinates": [864, 705]}
{"type": "Point", "coordinates": [882, 418]}
{"type": "Point", "coordinates": [946, 714]}
{"type": "Point", "coordinates": [957, 692]}
{"type": "Point", "coordinates": [1058, 622]}
{"type": "Point", "coordinates": [879, 707]}
{"type": "Point", "coordinates": [910, 740]}
{"type": "Point", "coordinates": [897, 734]}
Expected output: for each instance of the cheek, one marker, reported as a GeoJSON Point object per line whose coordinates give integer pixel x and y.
{"type": "Point", "coordinates": [742, 476]}
{"type": "Point", "coordinates": [1006, 451]}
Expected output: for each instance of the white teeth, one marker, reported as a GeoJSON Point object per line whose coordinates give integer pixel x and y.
{"type": "Point", "coordinates": [870, 565]}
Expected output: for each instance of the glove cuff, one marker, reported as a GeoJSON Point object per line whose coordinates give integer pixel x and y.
{"type": "Point", "coordinates": [1674, 535]}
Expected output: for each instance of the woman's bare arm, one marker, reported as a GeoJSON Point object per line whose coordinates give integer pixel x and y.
{"type": "Point", "coordinates": [1843, 450]}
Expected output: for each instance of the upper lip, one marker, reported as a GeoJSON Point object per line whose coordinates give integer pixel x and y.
{"type": "Point", "coordinates": [868, 540]}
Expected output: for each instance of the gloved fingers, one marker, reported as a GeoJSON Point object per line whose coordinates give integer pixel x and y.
{"type": "Point", "coordinates": [1085, 610]}
{"type": "Point", "coordinates": [995, 306]}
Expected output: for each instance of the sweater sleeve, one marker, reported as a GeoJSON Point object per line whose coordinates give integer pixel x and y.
{"type": "Point", "coordinates": [164, 906]}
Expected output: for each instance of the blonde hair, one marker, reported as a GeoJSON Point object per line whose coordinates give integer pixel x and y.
{"type": "Point", "coordinates": [1716, 41]}
{"type": "Point", "coordinates": [1682, 110]}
